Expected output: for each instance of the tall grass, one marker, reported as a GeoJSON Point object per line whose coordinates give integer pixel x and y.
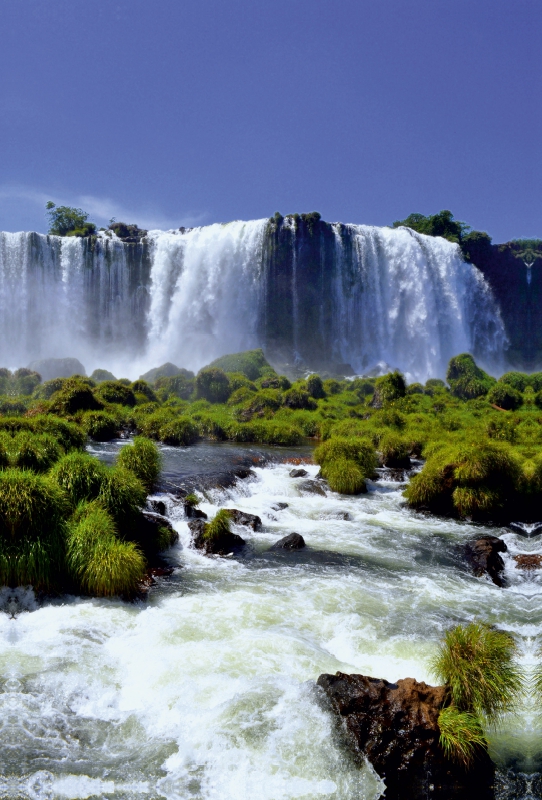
{"type": "Point", "coordinates": [344, 476]}
{"type": "Point", "coordinates": [461, 735]}
{"type": "Point", "coordinates": [219, 526]}
{"type": "Point", "coordinates": [143, 459]}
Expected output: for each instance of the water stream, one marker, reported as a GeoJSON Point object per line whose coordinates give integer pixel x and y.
{"type": "Point", "coordinates": [205, 690]}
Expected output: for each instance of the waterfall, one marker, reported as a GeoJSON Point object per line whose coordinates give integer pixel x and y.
{"type": "Point", "coordinates": [308, 292]}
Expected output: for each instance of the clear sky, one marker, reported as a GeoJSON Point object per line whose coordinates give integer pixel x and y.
{"type": "Point", "coordinates": [188, 112]}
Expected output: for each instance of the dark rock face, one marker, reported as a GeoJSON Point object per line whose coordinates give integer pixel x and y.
{"type": "Point", "coordinates": [194, 513]}
{"type": "Point", "coordinates": [312, 487]}
{"type": "Point", "coordinates": [128, 233]}
{"type": "Point", "coordinates": [242, 518]}
{"type": "Point", "coordinates": [483, 556]}
{"type": "Point", "coordinates": [294, 541]}
{"type": "Point", "coordinates": [221, 547]}
{"type": "Point", "coordinates": [158, 506]}
{"type": "Point", "coordinates": [151, 530]}
{"type": "Point", "coordinates": [50, 368]}
{"type": "Point", "coordinates": [298, 473]}
{"type": "Point", "coordinates": [279, 506]}
{"type": "Point", "coordinates": [395, 725]}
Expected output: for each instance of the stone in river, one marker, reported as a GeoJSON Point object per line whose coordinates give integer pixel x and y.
{"type": "Point", "coordinates": [294, 541]}
{"type": "Point", "coordinates": [298, 473]}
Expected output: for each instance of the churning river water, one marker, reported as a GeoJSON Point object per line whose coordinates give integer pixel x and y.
{"type": "Point", "coordinates": [206, 689]}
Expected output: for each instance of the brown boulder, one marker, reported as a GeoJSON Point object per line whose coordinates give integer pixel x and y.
{"type": "Point", "coordinates": [395, 726]}
{"type": "Point", "coordinates": [483, 556]}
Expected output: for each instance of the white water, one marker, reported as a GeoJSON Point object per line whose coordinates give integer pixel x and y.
{"type": "Point", "coordinates": [207, 691]}
{"type": "Point", "coordinates": [396, 297]}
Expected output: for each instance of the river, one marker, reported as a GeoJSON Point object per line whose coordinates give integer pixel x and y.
{"type": "Point", "coordinates": [206, 689]}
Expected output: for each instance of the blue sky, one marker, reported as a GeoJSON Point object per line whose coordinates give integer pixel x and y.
{"type": "Point", "coordinates": [176, 112]}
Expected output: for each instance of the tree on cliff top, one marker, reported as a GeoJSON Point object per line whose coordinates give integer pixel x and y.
{"type": "Point", "coordinates": [441, 224]}
{"type": "Point", "coordinates": [68, 221]}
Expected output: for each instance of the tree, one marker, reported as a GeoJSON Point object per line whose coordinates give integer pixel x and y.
{"type": "Point", "coordinates": [68, 221]}
{"type": "Point", "coordinates": [441, 224]}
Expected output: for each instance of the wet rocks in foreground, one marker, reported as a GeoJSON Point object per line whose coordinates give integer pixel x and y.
{"type": "Point", "coordinates": [244, 518]}
{"type": "Point", "coordinates": [484, 557]}
{"type": "Point", "coordinates": [298, 473]}
{"type": "Point", "coordinates": [221, 546]}
{"type": "Point", "coordinates": [312, 487]}
{"type": "Point", "coordinates": [294, 541]}
{"type": "Point", "coordinates": [395, 726]}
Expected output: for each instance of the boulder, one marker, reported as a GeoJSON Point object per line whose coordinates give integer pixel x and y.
{"type": "Point", "coordinates": [294, 541]}
{"type": "Point", "coordinates": [243, 518]}
{"type": "Point", "coordinates": [158, 506]}
{"type": "Point", "coordinates": [395, 726]}
{"type": "Point", "coordinates": [279, 506]}
{"type": "Point", "coordinates": [312, 487]}
{"type": "Point", "coordinates": [298, 473]}
{"type": "Point", "coordinates": [50, 368]}
{"type": "Point", "coordinates": [222, 546]}
{"type": "Point", "coordinates": [193, 513]}
{"type": "Point", "coordinates": [483, 556]}
{"type": "Point", "coordinates": [167, 370]}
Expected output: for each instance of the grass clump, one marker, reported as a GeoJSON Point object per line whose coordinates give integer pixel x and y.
{"type": "Point", "coordinates": [178, 431]}
{"type": "Point", "coordinates": [219, 526]}
{"type": "Point", "coordinates": [100, 426]}
{"type": "Point", "coordinates": [505, 396]}
{"type": "Point", "coordinates": [252, 364]}
{"type": "Point", "coordinates": [115, 392]}
{"type": "Point", "coordinates": [477, 663]}
{"type": "Point", "coordinates": [461, 735]}
{"type": "Point", "coordinates": [212, 384]}
{"type": "Point", "coordinates": [80, 476]}
{"type": "Point", "coordinates": [344, 476]}
{"type": "Point", "coordinates": [143, 459]}
{"type": "Point", "coordinates": [466, 380]}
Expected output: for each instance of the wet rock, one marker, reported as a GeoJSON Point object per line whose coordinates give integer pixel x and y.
{"type": "Point", "coordinates": [155, 532]}
{"type": "Point", "coordinates": [529, 561]}
{"type": "Point", "coordinates": [483, 556]}
{"type": "Point", "coordinates": [243, 518]}
{"type": "Point", "coordinates": [279, 506]}
{"type": "Point", "coordinates": [298, 473]}
{"type": "Point", "coordinates": [158, 506]}
{"type": "Point", "coordinates": [312, 487]}
{"type": "Point", "coordinates": [395, 725]}
{"type": "Point", "coordinates": [221, 546]}
{"type": "Point", "coordinates": [128, 233]}
{"type": "Point", "coordinates": [294, 541]}
{"type": "Point", "coordinates": [193, 513]}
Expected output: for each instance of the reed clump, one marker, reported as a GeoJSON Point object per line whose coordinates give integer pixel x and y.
{"type": "Point", "coordinates": [143, 459]}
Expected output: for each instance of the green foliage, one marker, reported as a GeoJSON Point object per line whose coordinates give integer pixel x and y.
{"type": "Point", "coordinates": [298, 398]}
{"type": "Point", "coordinates": [415, 388]}
{"type": "Point", "coordinates": [518, 380]}
{"type": "Point", "coordinates": [355, 449]}
{"type": "Point", "coordinates": [461, 735]}
{"type": "Point", "coordinates": [178, 431]}
{"type": "Point", "coordinates": [331, 386]}
{"type": "Point", "coordinates": [466, 379]}
{"type": "Point", "coordinates": [251, 363]}
{"type": "Point", "coordinates": [80, 476]}
{"type": "Point", "coordinates": [212, 384]}
{"type": "Point", "coordinates": [280, 382]}
{"type": "Point", "coordinates": [441, 224]}
{"type": "Point", "coordinates": [344, 476]}
{"type": "Point", "coordinates": [102, 565]}
{"type": "Point", "coordinates": [28, 450]}
{"type": "Point", "coordinates": [115, 392]}
{"type": "Point", "coordinates": [505, 396]}
{"type": "Point", "coordinates": [143, 459]}
{"type": "Point", "coordinates": [219, 526]}
{"type": "Point", "coordinates": [178, 385]}
{"type": "Point", "coordinates": [315, 387]}
{"type": "Point", "coordinates": [191, 500]}
{"type": "Point", "coordinates": [142, 387]}
{"type": "Point", "coordinates": [395, 450]}
{"type": "Point", "coordinates": [25, 381]}
{"type": "Point", "coordinates": [101, 375]}
{"type": "Point", "coordinates": [68, 221]}
{"type": "Point", "coordinates": [238, 380]}
{"type": "Point", "coordinates": [100, 426]}
{"type": "Point", "coordinates": [46, 390]}
{"type": "Point", "coordinates": [477, 663]}
{"type": "Point", "coordinates": [123, 495]}
{"type": "Point", "coordinates": [73, 396]}
{"type": "Point", "coordinates": [390, 387]}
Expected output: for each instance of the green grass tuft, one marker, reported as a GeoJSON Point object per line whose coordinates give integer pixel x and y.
{"type": "Point", "coordinates": [344, 476]}
{"type": "Point", "coordinates": [219, 526]}
{"type": "Point", "coordinates": [461, 735]}
{"type": "Point", "coordinates": [143, 459]}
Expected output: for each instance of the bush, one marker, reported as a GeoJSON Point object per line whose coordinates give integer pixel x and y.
{"type": "Point", "coordinates": [115, 392]}
{"type": "Point", "coordinates": [241, 395]}
{"type": "Point", "coordinates": [518, 380]}
{"type": "Point", "coordinates": [363, 387]}
{"type": "Point", "coordinates": [260, 404]}
{"type": "Point", "coordinates": [179, 386]}
{"type": "Point", "coordinates": [355, 449]}
{"type": "Point", "coordinates": [461, 735]}
{"type": "Point", "coordinates": [142, 387]}
{"type": "Point", "coordinates": [251, 363]}
{"type": "Point", "coordinates": [46, 390]}
{"type": "Point", "coordinates": [101, 375]}
{"type": "Point", "coordinates": [101, 564]}
{"type": "Point", "coordinates": [74, 396]}
{"type": "Point", "coordinates": [505, 396]}
{"type": "Point", "coordinates": [315, 387]}
{"type": "Point", "coordinates": [331, 386]}
{"type": "Point", "coordinates": [238, 380]}
{"type": "Point", "coordinates": [150, 424]}
{"type": "Point", "coordinates": [100, 426]}
{"type": "Point", "coordinates": [466, 380]}
{"type": "Point", "coordinates": [123, 495]}
{"type": "Point", "coordinates": [179, 431]}
{"type": "Point", "coordinates": [389, 388]}
{"type": "Point", "coordinates": [25, 381]}
{"type": "Point", "coordinates": [395, 451]}
{"type": "Point", "coordinates": [68, 221]}
{"type": "Point", "coordinates": [143, 459]}
{"type": "Point", "coordinates": [80, 476]}
{"type": "Point", "coordinates": [344, 476]}
{"type": "Point", "coordinates": [297, 398]}
{"type": "Point", "coordinates": [212, 384]}
{"type": "Point", "coordinates": [477, 663]}
{"type": "Point", "coordinates": [36, 451]}
{"type": "Point", "coordinates": [415, 388]}
{"type": "Point", "coordinates": [280, 382]}
{"type": "Point", "coordinates": [271, 432]}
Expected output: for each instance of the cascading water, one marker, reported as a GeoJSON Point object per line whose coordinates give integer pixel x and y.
{"type": "Point", "coordinates": [320, 295]}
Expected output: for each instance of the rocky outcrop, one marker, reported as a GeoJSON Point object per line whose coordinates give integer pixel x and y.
{"type": "Point", "coordinates": [395, 726]}
{"type": "Point", "coordinates": [243, 518]}
{"type": "Point", "coordinates": [193, 513]}
{"type": "Point", "coordinates": [221, 546]}
{"type": "Point", "coordinates": [312, 487]}
{"type": "Point", "coordinates": [50, 368]}
{"type": "Point", "coordinates": [130, 234]}
{"type": "Point", "coordinates": [294, 541]}
{"type": "Point", "coordinates": [484, 557]}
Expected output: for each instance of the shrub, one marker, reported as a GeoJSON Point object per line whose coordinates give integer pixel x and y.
{"type": "Point", "coordinates": [123, 495]}
{"type": "Point", "coordinates": [251, 363]}
{"type": "Point", "coordinates": [260, 404]}
{"type": "Point", "coordinates": [219, 526]}
{"type": "Point", "coordinates": [355, 449]}
{"type": "Point", "coordinates": [142, 387]}
{"type": "Point", "coordinates": [179, 431]}
{"type": "Point", "coordinates": [505, 396]}
{"type": "Point", "coordinates": [518, 380]}
{"type": "Point", "coordinates": [461, 735]}
{"type": "Point", "coordinates": [74, 396]}
{"type": "Point", "coordinates": [344, 476]}
{"type": "Point", "coordinates": [331, 386]}
{"type": "Point", "coordinates": [238, 380]}
{"type": "Point", "coordinates": [100, 426]}
{"type": "Point", "coordinates": [466, 379]}
{"type": "Point", "coordinates": [191, 500]}
{"type": "Point", "coordinates": [115, 392]}
{"type": "Point", "coordinates": [101, 375]}
{"type": "Point", "coordinates": [389, 387]}
{"type": "Point", "coordinates": [477, 663]}
{"type": "Point", "coordinates": [178, 385]}
{"type": "Point", "coordinates": [46, 390]}
{"type": "Point", "coordinates": [36, 451]}
{"type": "Point", "coordinates": [212, 384]}
{"type": "Point", "coordinates": [102, 565]}
{"type": "Point", "coordinates": [25, 381]}
{"type": "Point", "coordinates": [395, 450]}
{"type": "Point", "coordinates": [143, 459]}
{"type": "Point", "coordinates": [241, 395]}
{"type": "Point", "coordinates": [363, 387]}
{"type": "Point", "coordinates": [297, 398]}
{"type": "Point", "coordinates": [280, 382]}
{"type": "Point", "coordinates": [80, 476]}
{"type": "Point", "coordinates": [415, 388]}
{"type": "Point", "coordinates": [315, 387]}
{"type": "Point", "coordinates": [270, 432]}
{"type": "Point", "coordinates": [150, 424]}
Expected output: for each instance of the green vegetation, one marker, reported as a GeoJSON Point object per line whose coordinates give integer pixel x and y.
{"type": "Point", "coordinates": [68, 221]}
{"type": "Point", "coordinates": [219, 526]}
{"type": "Point", "coordinates": [252, 364]}
{"type": "Point", "coordinates": [476, 663]}
{"type": "Point", "coordinates": [143, 459]}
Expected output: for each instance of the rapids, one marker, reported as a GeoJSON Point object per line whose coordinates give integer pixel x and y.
{"type": "Point", "coordinates": [206, 689]}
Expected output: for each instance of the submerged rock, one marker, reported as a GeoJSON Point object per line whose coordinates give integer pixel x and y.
{"type": "Point", "coordinates": [395, 725]}
{"type": "Point", "coordinates": [221, 546]}
{"type": "Point", "coordinates": [298, 473]}
{"type": "Point", "coordinates": [483, 556]}
{"type": "Point", "coordinates": [294, 541]}
{"type": "Point", "coordinates": [243, 518]}
{"type": "Point", "coordinates": [279, 506]}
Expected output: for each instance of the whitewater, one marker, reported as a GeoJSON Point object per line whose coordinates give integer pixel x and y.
{"type": "Point", "coordinates": [206, 690]}
{"type": "Point", "coordinates": [386, 298]}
